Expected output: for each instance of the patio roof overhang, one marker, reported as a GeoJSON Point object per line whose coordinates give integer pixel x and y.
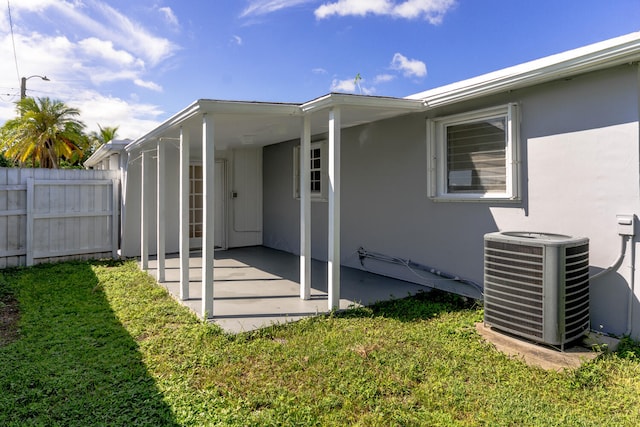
{"type": "Point", "coordinates": [210, 125]}
{"type": "Point", "coordinates": [244, 123]}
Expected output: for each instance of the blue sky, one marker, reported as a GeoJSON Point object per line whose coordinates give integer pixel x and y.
{"type": "Point", "coordinates": [134, 63]}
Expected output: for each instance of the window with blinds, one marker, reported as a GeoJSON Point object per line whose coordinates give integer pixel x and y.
{"type": "Point", "coordinates": [476, 161]}
{"type": "Point", "coordinates": [474, 155]}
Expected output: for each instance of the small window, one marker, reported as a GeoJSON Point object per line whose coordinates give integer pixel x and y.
{"type": "Point", "coordinates": [474, 156]}
{"type": "Point", "coordinates": [317, 171]}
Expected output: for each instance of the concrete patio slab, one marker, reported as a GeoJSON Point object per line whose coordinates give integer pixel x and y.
{"type": "Point", "coordinates": [257, 287]}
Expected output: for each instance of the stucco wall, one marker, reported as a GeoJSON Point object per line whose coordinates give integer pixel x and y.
{"type": "Point", "coordinates": [241, 222]}
{"type": "Point", "coordinates": [579, 144]}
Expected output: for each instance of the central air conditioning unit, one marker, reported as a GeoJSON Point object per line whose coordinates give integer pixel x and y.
{"type": "Point", "coordinates": [536, 285]}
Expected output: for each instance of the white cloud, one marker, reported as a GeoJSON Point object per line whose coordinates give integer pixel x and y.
{"type": "Point", "coordinates": [409, 67]}
{"type": "Point", "coordinates": [104, 49]}
{"type": "Point", "coordinates": [263, 7]}
{"type": "Point", "coordinates": [348, 85]}
{"type": "Point", "coordinates": [237, 40]}
{"type": "Point", "coordinates": [432, 11]}
{"type": "Point", "coordinates": [134, 119]}
{"type": "Point", "coordinates": [7, 110]}
{"type": "Point", "coordinates": [131, 35]}
{"type": "Point", "coordinates": [148, 85]}
{"type": "Point", "coordinates": [91, 60]}
{"type": "Point", "coordinates": [383, 78]}
{"type": "Point", "coordinates": [169, 16]}
{"type": "Point", "coordinates": [104, 22]}
{"type": "Point", "coordinates": [319, 71]}
{"type": "Point", "coordinates": [354, 7]}
{"type": "Point", "coordinates": [88, 45]}
{"type": "Point", "coordinates": [99, 76]}
{"type": "Point", "coordinates": [32, 5]}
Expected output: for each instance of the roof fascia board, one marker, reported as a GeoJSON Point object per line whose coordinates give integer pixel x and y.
{"type": "Point", "coordinates": [347, 100]}
{"type": "Point", "coordinates": [104, 151]}
{"type": "Point", "coordinates": [171, 122]}
{"type": "Point", "coordinates": [621, 50]}
{"type": "Point", "coordinates": [97, 156]}
{"type": "Point", "coordinates": [243, 107]}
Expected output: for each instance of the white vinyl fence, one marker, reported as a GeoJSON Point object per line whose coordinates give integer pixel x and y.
{"type": "Point", "coordinates": [55, 215]}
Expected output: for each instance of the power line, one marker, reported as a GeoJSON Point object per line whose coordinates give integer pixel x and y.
{"type": "Point", "coordinates": [9, 94]}
{"type": "Point", "coordinates": [44, 92]}
{"type": "Point", "coordinates": [8, 97]}
{"type": "Point", "coordinates": [13, 41]}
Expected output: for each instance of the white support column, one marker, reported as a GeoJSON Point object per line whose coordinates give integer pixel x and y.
{"type": "Point", "coordinates": [333, 264]}
{"type": "Point", "coordinates": [160, 211]}
{"type": "Point", "coordinates": [305, 209]}
{"type": "Point", "coordinates": [184, 214]}
{"type": "Point", "coordinates": [208, 225]}
{"type": "Point", "coordinates": [144, 210]}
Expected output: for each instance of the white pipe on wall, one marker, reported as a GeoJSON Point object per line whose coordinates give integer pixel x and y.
{"type": "Point", "coordinates": [632, 275]}
{"type": "Point", "coordinates": [616, 264]}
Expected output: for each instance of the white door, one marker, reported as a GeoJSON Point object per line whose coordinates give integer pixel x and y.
{"type": "Point", "coordinates": [196, 206]}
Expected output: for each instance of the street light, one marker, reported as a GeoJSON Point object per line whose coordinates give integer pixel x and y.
{"type": "Point", "coordinates": [23, 84]}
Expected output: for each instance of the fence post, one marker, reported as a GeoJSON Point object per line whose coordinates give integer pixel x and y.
{"type": "Point", "coordinates": [115, 216]}
{"type": "Point", "coordinates": [30, 196]}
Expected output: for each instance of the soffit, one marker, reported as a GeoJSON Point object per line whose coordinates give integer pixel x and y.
{"type": "Point", "coordinates": [246, 124]}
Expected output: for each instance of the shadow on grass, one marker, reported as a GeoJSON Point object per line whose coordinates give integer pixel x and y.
{"type": "Point", "coordinates": [74, 363]}
{"type": "Point", "coordinates": [421, 306]}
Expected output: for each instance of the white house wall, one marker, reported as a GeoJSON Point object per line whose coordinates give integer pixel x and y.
{"type": "Point", "coordinates": [582, 160]}
{"type": "Point", "coordinates": [244, 176]}
{"type": "Point", "coordinates": [131, 229]}
{"type": "Point", "coordinates": [579, 146]}
{"type": "Point", "coordinates": [282, 210]}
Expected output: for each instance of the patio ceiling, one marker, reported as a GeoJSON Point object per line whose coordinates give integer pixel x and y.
{"type": "Point", "coordinates": [240, 123]}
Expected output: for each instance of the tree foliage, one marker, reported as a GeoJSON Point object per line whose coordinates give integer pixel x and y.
{"type": "Point", "coordinates": [98, 139]}
{"type": "Point", "coordinates": [45, 132]}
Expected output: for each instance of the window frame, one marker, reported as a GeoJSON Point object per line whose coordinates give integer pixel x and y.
{"type": "Point", "coordinates": [316, 196]}
{"type": "Point", "coordinates": [437, 155]}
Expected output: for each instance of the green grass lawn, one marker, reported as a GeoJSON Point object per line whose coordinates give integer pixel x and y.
{"type": "Point", "coordinates": [101, 344]}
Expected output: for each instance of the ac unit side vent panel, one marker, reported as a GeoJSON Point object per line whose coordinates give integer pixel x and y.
{"type": "Point", "coordinates": [537, 285]}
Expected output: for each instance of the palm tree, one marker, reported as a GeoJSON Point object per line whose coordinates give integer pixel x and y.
{"type": "Point", "coordinates": [45, 132]}
{"type": "Point", "coordinates": [107, 133]}
{"type": "Point", "coordinates": [97, 139]}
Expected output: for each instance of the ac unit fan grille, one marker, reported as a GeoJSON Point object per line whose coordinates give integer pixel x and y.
{"type": "Point", "coordinates": [513, 299]}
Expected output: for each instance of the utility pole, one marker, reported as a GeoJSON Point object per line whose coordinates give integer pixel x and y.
{"type": "Point", "coordinates": [23, 85]}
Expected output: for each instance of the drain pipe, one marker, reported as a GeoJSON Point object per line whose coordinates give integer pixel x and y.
{"type": "Point", "coordinates": [632, 274]}
{"type": "Point", "coordinates": [363, 254]}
